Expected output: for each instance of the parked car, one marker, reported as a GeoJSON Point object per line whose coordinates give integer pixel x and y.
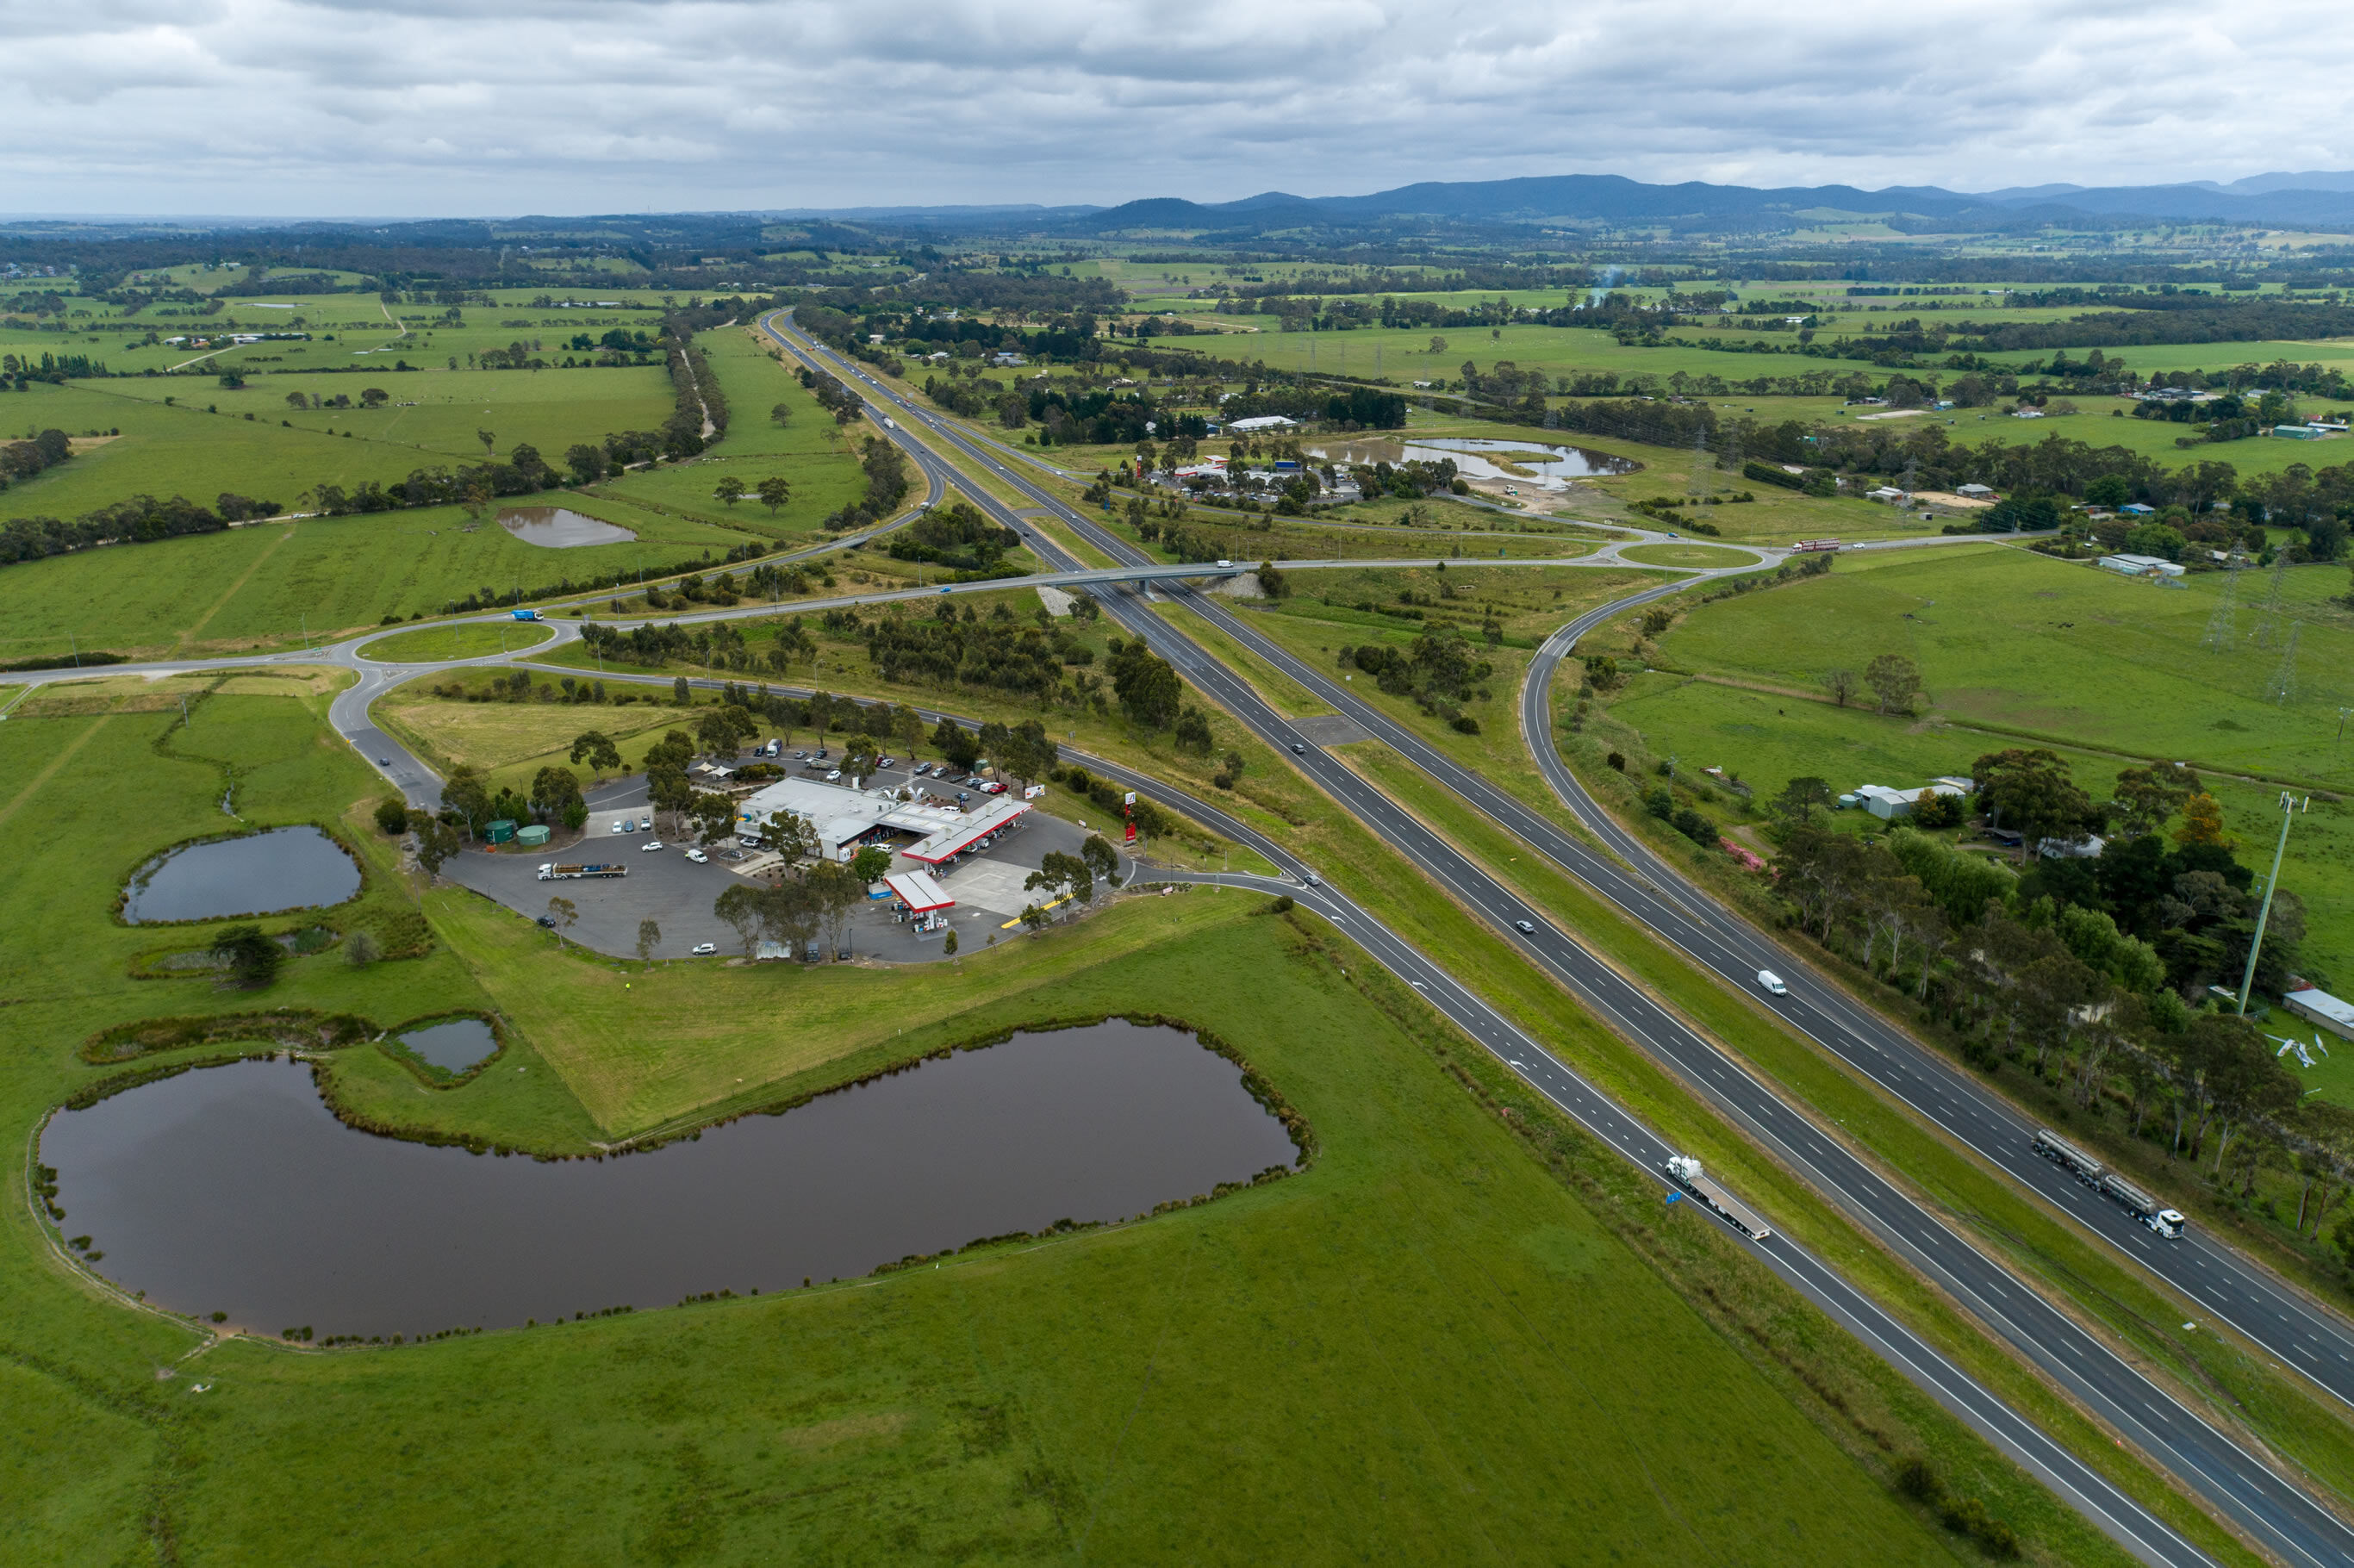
{"type": "Point", "coordinates": [800, 757]}
{"type": "Point", "coordinates": [698, 857]}
{"type": "Point", "coordinates": [993, 787]}
{"type": "Point", "coordinates": [704, 950]}
{"type": "Point", "coordinates": [922, 769]}
{"type": "Point", "coordinates": [833, 775]}
{"type": "Point", "coordinates": [887, 762]}
{"type": "Point", "coordinates": [650, 844]}
{"type": "Point", "coordinates": [622, 826]}
{"type": "Point", "coordinates": [548, 921]}
{"type": "Point", "coordinates": [645, 824]}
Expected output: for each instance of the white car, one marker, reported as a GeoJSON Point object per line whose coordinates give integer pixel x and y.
{"type": "Point", "coordinates": [704, 950]}
{"type": "Point", "coordinates": [1772, 982]}
{"type": "Point", "coordinates": [645, 824]}
{"type": "Point", "coordinates": [621, 827]}
{"type": "Point", "coordinates": [698, 857]}
{"type": "Point", "coordinates": [650, 844]}
{"type": "Point", "coordinates": [833, 775]}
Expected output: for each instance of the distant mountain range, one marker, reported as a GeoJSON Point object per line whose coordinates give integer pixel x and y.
{"type": "Point", "coordinates": [2319, 198]}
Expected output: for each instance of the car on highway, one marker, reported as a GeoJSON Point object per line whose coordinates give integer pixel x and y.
{"type": "Point", "coordinates": [650, 844]}
{"type": "Point", "coordinates": [698, 857]}
{"type": "Point", "coordinates": [384, 762]}
{"type": "Point", "coordinates": [1772, 983]}
{"type": "Point", "coordinates": [704, 950]}
{"type": "Point", "coordinates": [1314, 880]}
{"type": "Point", "coordinates": [1298, 749]}
{"type": "Point", "coordinates": [1525, 928]}
{"type": "Point", "coordinates": [1225, 563]}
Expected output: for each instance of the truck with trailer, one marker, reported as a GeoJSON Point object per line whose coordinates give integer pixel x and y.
{"type": "Point", "coordinates": [524, 614]}
{"type": "Point", "coordinates": [2069, 1158]}
{"type": "Point", "coordinates": [2166, 1221]}
{"type": "Point", "coordinates": [1686, 1173]}
{"type": "Point", "coordinates": [553, 872]}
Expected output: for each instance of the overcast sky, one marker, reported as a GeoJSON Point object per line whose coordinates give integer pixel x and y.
{"type": "Point", "coordinates": [337, 108]}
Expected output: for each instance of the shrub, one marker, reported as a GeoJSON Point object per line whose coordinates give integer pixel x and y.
{"type": "Point", "coordinates": [1282, 905]}
{"type": "Point", "coordinates": [1618, 760]}
{"type": "Point", "coordinates": [1695, 827]}
{"type": "Point", "coordinates": [392, 816]}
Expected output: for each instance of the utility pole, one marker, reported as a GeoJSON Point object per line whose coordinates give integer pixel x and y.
{"type": "Point", "coordinates": [2290, 806]}
{"type": "Point", "coordinates": [2342, 715]}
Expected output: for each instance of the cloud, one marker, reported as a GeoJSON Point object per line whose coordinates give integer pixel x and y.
{"type": "Point", "coordinates": [325, 107]}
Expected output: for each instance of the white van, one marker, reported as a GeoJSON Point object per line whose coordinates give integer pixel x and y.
{"type": "Point", "coordinates": [1772, 982]}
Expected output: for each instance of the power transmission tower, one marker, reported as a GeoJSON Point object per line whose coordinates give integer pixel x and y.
{"type": "Point", "coordinates": [2268, 624]}
{"type": "Point", "coordinates": [1703, 482]}
{"type": "Point", "coordinates": [2282, 685]}
{"type": "Point", "coordinates": [2223, 625]}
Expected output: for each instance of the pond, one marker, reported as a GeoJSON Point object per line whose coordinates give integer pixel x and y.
{"type": "Point", "coordinates": [560, 528]}
{"type": "Point", "coordinates": [255, 873]}
{"type": "Point", "coordinates": [454, 1045]}
{"type": "Point", "coordinates": [235, 1190]}
{"type": "Point", "coordinates": [1559, 464]}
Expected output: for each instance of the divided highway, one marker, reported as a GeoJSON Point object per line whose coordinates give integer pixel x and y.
{"type": "Point", "coordinates": [2288, 1521]}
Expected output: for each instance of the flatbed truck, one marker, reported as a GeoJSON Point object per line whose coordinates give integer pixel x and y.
{"type": "Point", "coordinates": [553, 872]}
{"type": "Point", "coordinates": [1686, 1173]}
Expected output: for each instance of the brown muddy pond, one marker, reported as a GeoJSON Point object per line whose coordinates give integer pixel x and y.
{"type": "Point", "coordinates": [235, 1190]}
{"type": "Point", "coordinates": [252, 874]}
{"type": "Point", "coordinates": [560, 527]}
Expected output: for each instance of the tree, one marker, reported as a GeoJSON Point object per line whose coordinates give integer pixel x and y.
{"type": "Point", "coordinates": [1896, 681]}
{"type": "Point", "coordinates": [949, 947]}
{"type": "Point", "coordinates": [1272, 582]}
{"type": "Point", "coordinates": [1035, 918]}
{"type": "Point", "coordinates": [553, 793]}
{"type": "Point", "coordinates": [1438, 345]}
{"type": "Point", "coordinates": [565, 913]}
{"type": "Point", "coordinates": [955, 743]}
{"type": "Point", "coordinates": [2147, 797]}
{"type": "Point", "coordinates": [360, 949]}
{"type": "Point", "coordinates": [597, 748]}
{"type": "Point", "coordinates": [253, 958]}
{"type": "Point", "coordinates": [1029, 753]}
{"type": "Point", "coordinates": [465, 793]}
{"type": "Point", "coordinates": [489, 441]}
{"type": "Point", "coordinates": [587, 463]}
{"type": "Point", "coordinates": [392, 816]}
{"type": "Point", "coordinates": [714, 816]}
{"type": "Point", "coordinates": [2029, 791]}
{"type": "Point", "coordinates": [773, 492]}
{"type": "Point", "coordinates": [1840, 683]}
{"type": "Point", "coordinates": [1146, 684]}
{"type": "Point", "coordinates": [2202, 822]}
{"type": "Point", "coordinates": [649, 938]}
{"type": "Point", "coordinates": [789, 913]}
{"type": "Point", "coordinates": [374, 397]}
{"type": "Point", "coordinates": [739, 907]}
{"type": "Point", "coordinates": [1800, 798]}
{"type": "Point", "coordinates": [1193, 730]}
{"type": "Point", "coordinates": [1062, 877]}
{"type": "Point", "coordinates": [724, 730]}
{"type": "Point", "coordinates": [780, 415]}
{"type": "Point", "coordinates": [1102, 860]}
{"type": "Point", "coordinates": [729, 489]}
{"type": "Point", "coordinates": [837, 893]}
{"type": "Point", "coordinates": [869, 864]}
{"type": "Point", "coordinates": [436, 841]}
{"type": "Point", "coordinates": [791, 834]}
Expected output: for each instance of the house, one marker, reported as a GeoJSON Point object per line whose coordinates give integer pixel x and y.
{"type": "Point", "coordinates": [2140, 566]}
{"type": "Point", "coordinates": [1263, 422]}
{"type": "Point", "coordinates": [1007, 358]}
{"type": "Point", "coordinates": [2318, 1007]}
{"type": "Point", "coordinates": [2137, 509]}
{"type": "Point", "coordinates": [2297, 432]}
{"type": "Point", "coordinates": [1976, 492]}
{"type": "Point", "coordinates": [1895, 805]}
{"type": "Point", "coordinates": [1887, 494]}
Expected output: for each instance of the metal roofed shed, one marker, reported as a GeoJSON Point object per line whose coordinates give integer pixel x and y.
{"type": "Point", "coordinates": [847, 818]}
{"type": "Point", "coordinates": [2318, 1007]}
{"type": "Point", "coordinates": [918, 891]}
{"type": "Point", "coordinates": [2141, 566]}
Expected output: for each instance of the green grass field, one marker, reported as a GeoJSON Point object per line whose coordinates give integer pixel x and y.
{"type": "Point", "coordinates": [2020, 649]}
{"type": "Point", "coordinates": [259, 585]}
{"type": "Point", "coordinates": [467, 639]}
{"type": "Point", "coordinates": [1427, 1343]}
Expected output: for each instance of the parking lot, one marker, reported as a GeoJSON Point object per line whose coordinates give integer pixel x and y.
{"type": "Point", "coordinates": [679, 895]}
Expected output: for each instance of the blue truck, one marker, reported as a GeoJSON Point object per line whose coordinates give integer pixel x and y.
{"type": "Point", "coordinates": [525, 614]}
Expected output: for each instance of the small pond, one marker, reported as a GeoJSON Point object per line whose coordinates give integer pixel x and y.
{"type": "Point", "coordinates": [1560, 465]}
{"type": "Point", "coordinates": [235, 1190]}
{"type": "Point", "coordinates": [454, 1046]}
{"type": "Point", "coordinates": [256, 874]}
{"type": "Point", "coordinates": [560, 527]}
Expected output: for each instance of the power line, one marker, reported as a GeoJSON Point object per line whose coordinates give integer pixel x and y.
{"type": "Point", "coordinates": [2282, 685]}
